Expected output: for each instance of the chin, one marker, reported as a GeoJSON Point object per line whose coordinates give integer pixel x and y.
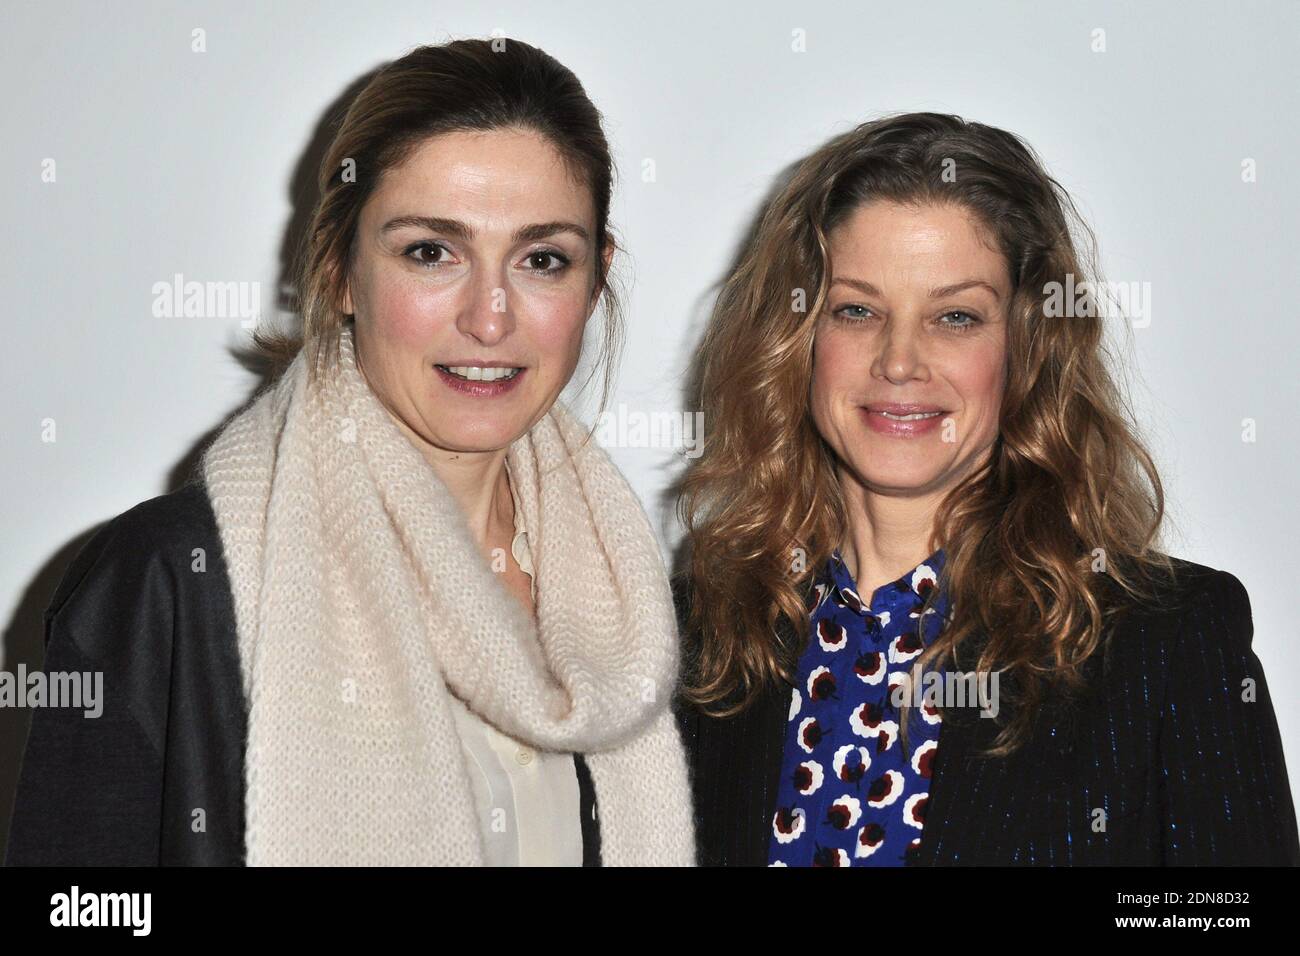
{"type": "Point", "coordinates": [489, 438]}
{"type": "Point", "coordinates": [896, 473]}
{"type": "Point", "coordinates": [899, 486]}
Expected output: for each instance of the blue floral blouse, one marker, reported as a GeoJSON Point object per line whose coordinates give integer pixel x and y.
{"type": "Point", "coordinates": [848, 796]}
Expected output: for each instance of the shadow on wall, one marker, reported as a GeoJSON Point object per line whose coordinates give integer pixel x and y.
{"type": "Point", "coordinates": [24, 634]}
{"type": "Point", "coordinates": [679, 565]}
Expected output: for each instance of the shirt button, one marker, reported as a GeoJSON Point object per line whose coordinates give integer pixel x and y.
{"type": "Point", "coordinates": [523, 757]}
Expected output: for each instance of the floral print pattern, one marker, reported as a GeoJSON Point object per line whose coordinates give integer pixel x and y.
{"type": "Point", "coordinates": [848, 795]}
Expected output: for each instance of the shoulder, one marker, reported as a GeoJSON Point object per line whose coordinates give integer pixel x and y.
{"type": "Point", "coordinates": [141, 562]}
{"type": "Point", "coordinates": [1186, 642]}
{"type": "Point", "coordinates": [144, 611]}
{"type": "Point", "coordinates": [1189, 596]}
{"type": "Point", "coordinates": [1211, 627]}
{"type": "Point", "coordinates": [1224, 790]}
{"type": "Point", "coordinates": [1211, 594]}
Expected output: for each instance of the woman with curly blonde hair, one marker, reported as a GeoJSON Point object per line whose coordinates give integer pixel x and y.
{"type": "Point", "coordinates": [922, 506]}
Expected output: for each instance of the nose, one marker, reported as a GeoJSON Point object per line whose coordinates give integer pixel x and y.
{"type": "Point", "coordinates": [486, 314]}
{"type": "Point", "coordinates": [898, 359]}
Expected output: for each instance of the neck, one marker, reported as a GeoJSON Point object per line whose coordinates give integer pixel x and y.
{"type": "Point", "coordinates": [478, 483]}
{"type": "Point", "coordinates": [887, 535]}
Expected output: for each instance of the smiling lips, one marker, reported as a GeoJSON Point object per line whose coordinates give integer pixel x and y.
{"type": "Point", "coordinates": [481, 373]}
{"type": "Point", "coordinates": [902, 420]}
{"type": "Point", "coordinates": [482, 379]}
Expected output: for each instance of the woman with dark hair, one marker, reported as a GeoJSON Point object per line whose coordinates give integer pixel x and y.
{"type": "Point", "coordinates": [407, 612]}
{"type": "Point", "coordinates": [926, 615]}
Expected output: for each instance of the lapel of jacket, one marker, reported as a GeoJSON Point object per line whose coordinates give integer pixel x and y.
{"type": "Point", "coordinates": [965, 734]}
{"type": "Point", "coordinates": [769, 716]}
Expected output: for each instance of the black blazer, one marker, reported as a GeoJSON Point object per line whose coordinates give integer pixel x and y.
{"type": "Point", "coordinates": [122, 788]}
{"type": "Point", "coordinates": [1185, 770]}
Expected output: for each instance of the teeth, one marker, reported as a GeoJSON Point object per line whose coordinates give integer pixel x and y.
{"type": "Point", "coordinates": [476, 373]}
{"type": "Point", "coordinates": [913, 417]}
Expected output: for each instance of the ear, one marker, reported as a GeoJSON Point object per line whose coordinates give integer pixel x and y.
{"type": "Point", "coordinates": [346, 306]}
{"type": "Point", "coordinates": [607, 255]}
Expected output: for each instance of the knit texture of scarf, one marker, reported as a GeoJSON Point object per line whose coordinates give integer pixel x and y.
{"type": "Point", "coordinates": [362, 600]}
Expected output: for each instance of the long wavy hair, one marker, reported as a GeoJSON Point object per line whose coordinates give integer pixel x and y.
{"type": "Point", "coordinates": [1067, 492]}
{"type": "Point", "coordinates": [464, 85]}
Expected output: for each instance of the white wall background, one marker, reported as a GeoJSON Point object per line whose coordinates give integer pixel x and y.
{"type": "Point", "coordinates": [171, 161]}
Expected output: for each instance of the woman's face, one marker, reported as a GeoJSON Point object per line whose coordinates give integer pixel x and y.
{"type": "Point", "coordinates": [474, 257]}
{"type": "Point", "coordinates": [909, 355]}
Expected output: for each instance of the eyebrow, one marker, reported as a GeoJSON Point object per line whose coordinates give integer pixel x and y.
{"type": "Point", "coordinates": [459, 230]}
{"type": "Point", "coordinates": [941, 292]}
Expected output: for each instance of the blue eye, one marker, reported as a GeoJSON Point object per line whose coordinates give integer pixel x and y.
{"type": "Point", "coordinates": [852, 313]}
{"type": "Point", "coordinates": [970, 322]}
{"type": "Point", "coordinates": [859, 313]}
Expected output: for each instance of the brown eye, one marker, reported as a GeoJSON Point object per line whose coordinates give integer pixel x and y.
{"type": "Point", "coordinates": [434, 250]}
{"type": "Point", "coordinates": [546, 260]}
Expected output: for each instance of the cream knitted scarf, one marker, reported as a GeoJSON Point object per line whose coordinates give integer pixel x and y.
{"type": "Point", "coordinates": [361, 601]}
